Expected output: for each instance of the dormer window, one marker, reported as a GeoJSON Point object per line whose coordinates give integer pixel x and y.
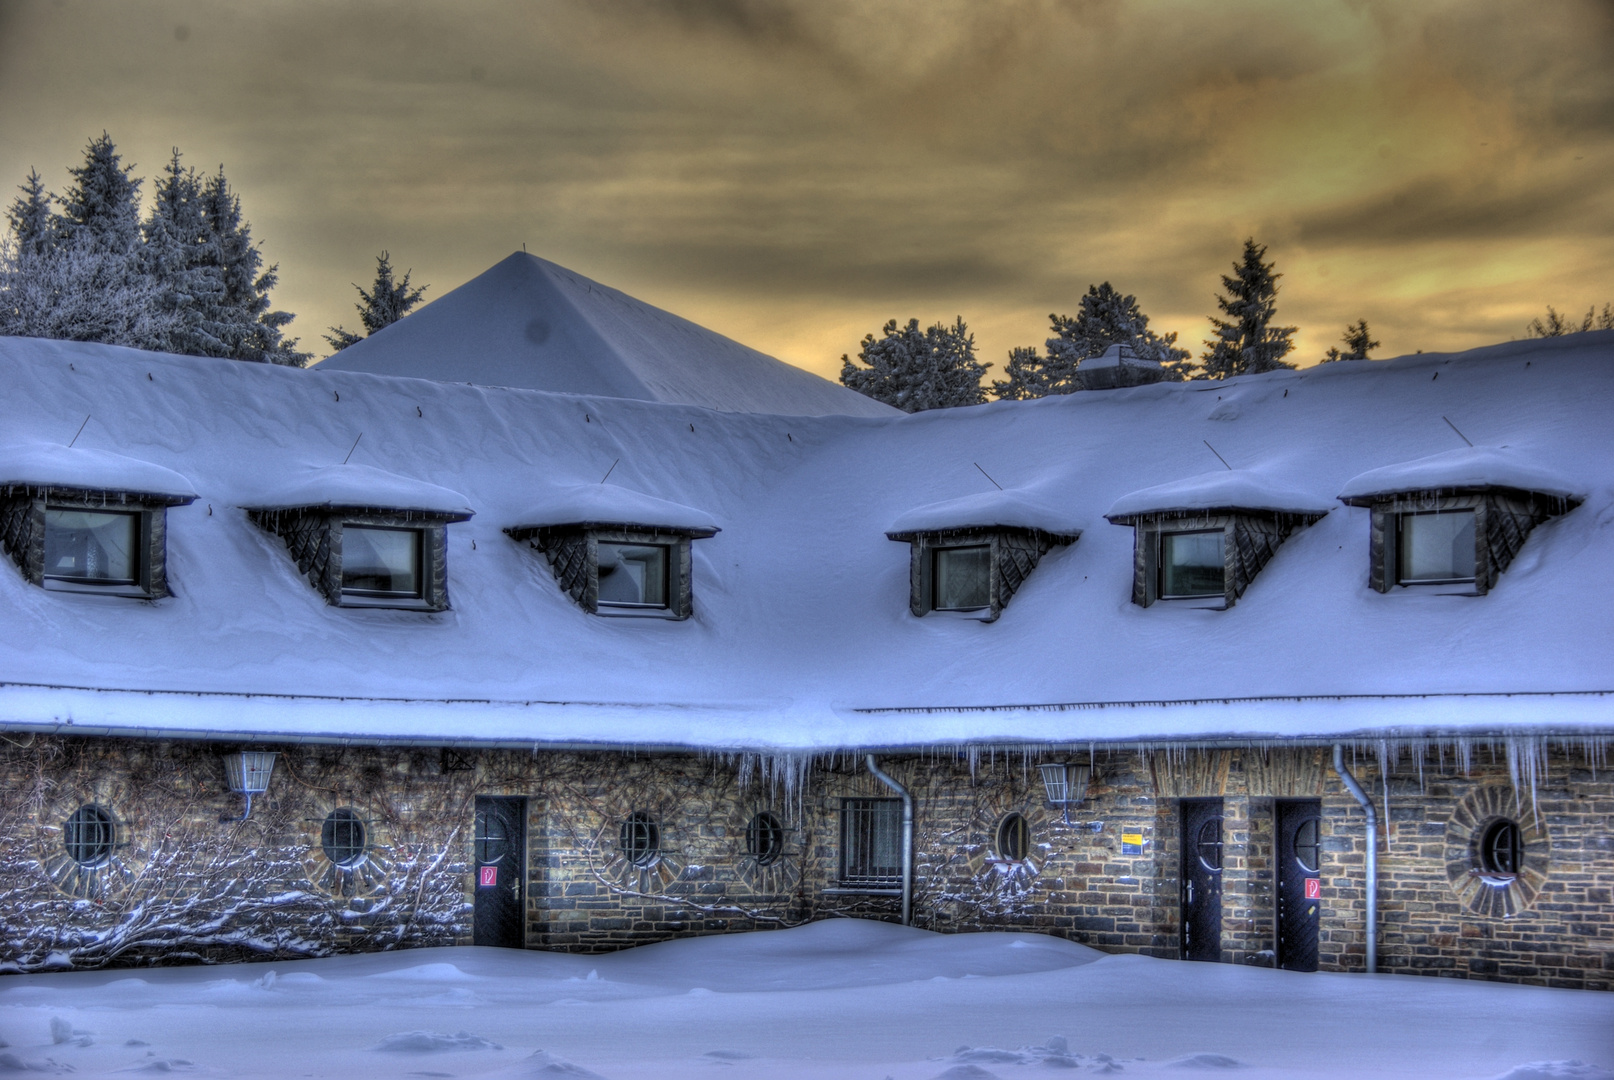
{"type": "Point", "coordinates": [1205, 539]}
{"type": "Point", "coordinates": [1455, 519]}
{"type": "Point", "coordinates": [357, 550]}
{"type": "Point", "coordinates": [618, 552]}
{"type": "Point", "coordinates": [88, 521]}
{"type": "Point", "coordinates": [970, 556]}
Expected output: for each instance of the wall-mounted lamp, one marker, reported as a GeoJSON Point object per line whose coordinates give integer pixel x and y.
{"type": "Point", "coordinates": [248, 772]}
{"type": "Point", "coordinates": [1066, 784]}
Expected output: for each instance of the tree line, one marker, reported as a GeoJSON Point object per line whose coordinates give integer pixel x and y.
{"type": "Point", "coordinates": [937, 367]}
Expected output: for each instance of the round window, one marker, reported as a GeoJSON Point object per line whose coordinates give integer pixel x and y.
{"type": "Point", "coordinates": [492, 839]}
{"type": "Point", "coordinates": [1501, 849]}
{"type": "Point", "coordinates": [765, 838]}
{"type": "Point", "coordinates": [641, 839]}
{"type": "Point", "coordinates": [89, 836]}
{"type": "Point", "coordinates": [1209, 845]}
{"type": "Point", "coordinates": [343, 837]}
{"type": "Point", "coordinates": [1308, 853]}
{"type": "Point", "coordinates": [1014, 838]}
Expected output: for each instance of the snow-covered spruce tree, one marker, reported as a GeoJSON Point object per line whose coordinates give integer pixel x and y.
{"type": "Point", "coordinates": [178, 254]}
{"type": "Point", "coordinates": [1025, 376]}
{"type": "Point", "coordinates": [1357, 339]}
{"type": "Point", "coordinates": [33, 222]}
{"type": "Point", "coordinates": [1557, 325]}
{"type": "Point", "coordinates": [1246, 342]}
{"type": "Point", "coordinates": [917, 369]}
{"type": "Point", "coordinates": [1107, 317]}
{"type": "Point", "coordinates": [103, 204]}
{"type": "Point", "coordinates": [77, 292]}
{"type": "Point", "coordinates": [385, 303]}
{"type": "Point", "coordinates": [249, 329]}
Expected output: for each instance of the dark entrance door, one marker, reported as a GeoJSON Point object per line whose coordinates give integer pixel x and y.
{"type": "Point", "coordinates": [500, 866]}
{"type": "Point", "coordinates": [1299, 883]}
{"type": "Point", "coordinates": [1202, 879]}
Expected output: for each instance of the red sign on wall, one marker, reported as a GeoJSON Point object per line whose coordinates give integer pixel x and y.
{"type": "Point", "coordinates": [1314, 888]}
{"type": "Point", "coordinates": [490, 877]}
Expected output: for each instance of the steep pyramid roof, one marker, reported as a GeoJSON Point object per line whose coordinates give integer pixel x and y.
{"type": "Point", "coordinates": [529, 323]}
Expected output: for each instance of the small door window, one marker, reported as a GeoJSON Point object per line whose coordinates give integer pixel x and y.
{"type": "Point", "coordinates": [381, 563]}
{"type": "Point", "coordinates": [1208, 845]}
{"type": "Point", "coordinates": [1436, 548]}
{"type": "Point", "coordinates": [492, 838]}
{"type": "Point", "coordinates": [962, 577]}
{"type": "Point", "coordinates": [92, 547]}
{"type": "Point", "coordinates": [1191, 564]}
{"type": "Point", "coordinates": [633, 575]}
{"type": "Point", "coordinates": [1308, 853]}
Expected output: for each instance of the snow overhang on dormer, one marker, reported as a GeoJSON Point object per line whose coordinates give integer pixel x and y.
{"type": "Point", "coordinates": [608, 505]}
{"type": "Point", "coordinates": [1466, 470]}
{"type": "Point", "coordinates": [1011, 509]}
{"type": "Point", "coordinates": [337, 488]}
{"type": "Point", "coordinates": [1236, 491]}
{"type": "Point", "coordinates": [47, 467]}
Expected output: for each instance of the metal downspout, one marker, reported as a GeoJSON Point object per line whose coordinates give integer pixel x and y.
{"type": "Point", "coordinates": [907, 838]}
{"type": "Point", "coordinates": [1372, 857]}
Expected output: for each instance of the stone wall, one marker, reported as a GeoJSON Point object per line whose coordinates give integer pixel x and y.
{"type": "Point", "coordinates": [184, 886]}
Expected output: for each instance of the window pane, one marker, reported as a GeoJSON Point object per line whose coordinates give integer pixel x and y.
{"type": "Point", "coordinates": [380, 562]}
{"type": "Point", "coordinates": [1437, 547]}
{"type": "Point", "coordinates": [96, 546]}
{"type": "Point", "coordinates": [1191, 564]}
{"type": "Point", "coordinates": [633, 574]}
{"type": "Point", "coordinates": [962, 578]}
{"type": "Point", "coordinates": [871, 841]}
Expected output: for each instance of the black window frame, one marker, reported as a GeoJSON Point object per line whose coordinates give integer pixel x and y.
{"type": "Point", "coordinates": [1250, 540]}
{"type": "Point", "coordinates": [1501, 848]}
{"type": "Point", "coordinates": [1400, 541]}
{"type": "Point", "coordinates": [313, 537]}
{"type": "Point", "coordinates": [937, 553]}
{"type": "Point", "coordinates": [1012, 841]}
{"type": "Point", "coordinates": [356, 597]}
{"type": "Point", "coordinates": [861, 818]}
{"type": "Point", "coordinates": [24, 522]}
{"type": "Point", "coordinates": [1161, 537]}
{"type": "Point", "coordinates": [668, 588]}
{"type": "Point", "coordinates": [765, 838]}
{"type": "Point", "coordinates": [640, 825]}
{"type": "Point", "coordinates": [573, 555]}
{"type": "Point", "coordinates": [346, 854]}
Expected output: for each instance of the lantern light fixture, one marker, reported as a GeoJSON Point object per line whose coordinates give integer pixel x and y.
{"type": "Point", "coordinates": [248, 772]}
{"type": "Point", "coordinates": [1066, 784]}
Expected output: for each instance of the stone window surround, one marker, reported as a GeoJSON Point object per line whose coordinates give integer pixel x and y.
{"type": "Point", "coordinates": [1503, 518]}
{"type": "Point", "coordinates": [313, 537]}
{"type": "Point", "coordinates": [573, 554]}
{"type": "Point", "coordinates": [1250, 539]}
{"type": "Point", "coordinates": [22, 534]}
{"type": "Point", "coordinates": [1014, 554]}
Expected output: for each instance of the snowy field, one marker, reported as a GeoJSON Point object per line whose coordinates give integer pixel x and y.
{"type": "Point", "coordinates": [841, 999]}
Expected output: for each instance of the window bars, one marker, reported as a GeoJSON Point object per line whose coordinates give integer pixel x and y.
{"type": "Point", "coordinates": [342, 837]}
{"type": "Point", "coordinates": [765, 838]}
{"type": "Point", "coordinates": [89, 836]}
{"type": "Point", "coordinates": [640, 839]}
{"type": "Point", "coordinates": [871, 842]}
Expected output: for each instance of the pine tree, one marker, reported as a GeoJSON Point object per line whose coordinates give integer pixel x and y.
{"type": "Point", "coordinates": [178, 255]}
{"type": "Point", "coordinates": [385, 303]}
{"type": "Point", "coordinates": [249, 330]}
{"type": "Point", "coordinates": [1246, 343]}
{"type": "Point", "coordinates": [33, 223]}
{"type": "Point", "coordinates": [104, 202]}
{"type": "Point", "coordinates": [76, 292]}
{"type": "Point", "coordinates": [1358, 339]}
{"type": "Point", "coordinates": [1025, 376]}
{"type": "Point", "coordinates": [1558, 325]}
{"type": "Point", "coordinates": [917, 369]}
{"type": "Point", "coordinates": [1107, 317]}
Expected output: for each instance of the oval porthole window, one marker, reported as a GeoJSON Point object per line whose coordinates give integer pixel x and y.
{"type": "Point", "coordinates": [1209, 845]}
{"type": "Point", "coordinates": [1501, 848]}
{"type": "Point", "coordinates": [640, 839]}
{"type": "Point", "coordinates": [1308, 853]}
{"type": "Point", "coordinates": [765, 838]}
{"type": "Point", "coordinates": [89, 835]}
{"type": "Point", "coordinates": [342, 837]}
{"type": "Point", "coordinates": [1014, 838]}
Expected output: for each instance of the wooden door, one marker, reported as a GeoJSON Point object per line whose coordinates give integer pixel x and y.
{"type": "Point", "coordinates": [500, 866]}
{"type": "Point", "coordinates": [1201, 881]}
{"type": "Point", "coordinates": [1298, 823]}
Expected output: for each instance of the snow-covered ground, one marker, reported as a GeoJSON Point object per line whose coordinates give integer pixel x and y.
{"type": "Point", "coordinates": [841, 999]}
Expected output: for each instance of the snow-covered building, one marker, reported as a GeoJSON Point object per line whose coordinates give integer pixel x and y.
{"type": "Point", "coordinates": [1273, 670]}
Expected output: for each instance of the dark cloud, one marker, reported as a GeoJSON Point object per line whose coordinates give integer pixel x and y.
{"type": "Point", "coordinates": [1455, 208]}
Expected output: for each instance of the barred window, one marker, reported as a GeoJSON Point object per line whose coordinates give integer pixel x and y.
{"type": "Point", "coordinates": [1014, 838]}
{"type": "Point", "coordinates": [765, 838]}
{"type": "Point", "coordinates": [640, 839]}
{"type": "Point", "coordinates": [871, 842]}
{"type": "Point", "coordinates": [89, 836]}
{"type": "Point", "coordinates": [343, 837]}
{"type": "Point", "coordinates": [1502, 848]}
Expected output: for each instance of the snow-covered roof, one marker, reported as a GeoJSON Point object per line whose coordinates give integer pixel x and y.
{"type": "Point", "coordinates": [1467, 468]}
{"type": "Point", "coordinates": [1117, 355]}
{"type": "Point", "coordinates": [529, 323]}
{"type": "Point", "coordinates": [1015, 509]}
{"type": "Point", "coordinates": [1237, 489]}
{"type": "Point", "coordinates": [801, 636]}
{"type": "Point", "coordinates": [54, 465]}
{"type": "Point", "coordinates": [350, 486]}
{"type": "Point", "coordinates": [611, 504]}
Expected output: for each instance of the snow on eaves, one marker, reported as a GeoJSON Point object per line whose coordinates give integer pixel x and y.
{"type": "Point", "coordinates": [1468, 468]}
{"type": "Point", "coordinates": [1012, 508]}
{"type": "Point", "coordinates": [611, 504]}
{"type": "Point", "coordinates": [353, 486]}
{"type": "Point", "coordinates": [1238, 489]}
{"type": "Point", "coordinates": [53, 465]}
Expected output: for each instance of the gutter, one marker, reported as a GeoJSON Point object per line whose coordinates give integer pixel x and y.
{"type": "Point", "coordinates": [1372, 856]}
{"type": "Point", "coordinates": [907, 837]}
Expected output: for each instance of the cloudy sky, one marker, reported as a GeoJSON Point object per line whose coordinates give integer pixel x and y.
{"type": "Point", "coordinates": [793, 174]}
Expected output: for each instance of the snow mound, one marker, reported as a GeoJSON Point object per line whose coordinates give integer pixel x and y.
{"type": "Point", "coordinates": [48, 465]}
{"type": "Point", "coordinates": [1556, 1070]}
{"type": "Point", "coordinates": [428, 1042]}
{"type": "Point", "coordinates": [161, 1065]}
{"type": "Point", "coordinates": [608, 504]}
{"type": "Point", "coordinates": [1204, 1061]}
{"type": "Point", "coordinates": [12, 1063]}
{"type": "Point", "coordinates": [1013, 508]}
{"type": "Point", "coordinates": [1462, 469]}
{"type": "Point", "coordinates": [351, 486]}
{"type": "Point", "coordinates": [543, 1063]}
{"type": "Point", "coordinates": [966, 1072]}
{"type": "Point", "coordinates": [1237, 489]}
